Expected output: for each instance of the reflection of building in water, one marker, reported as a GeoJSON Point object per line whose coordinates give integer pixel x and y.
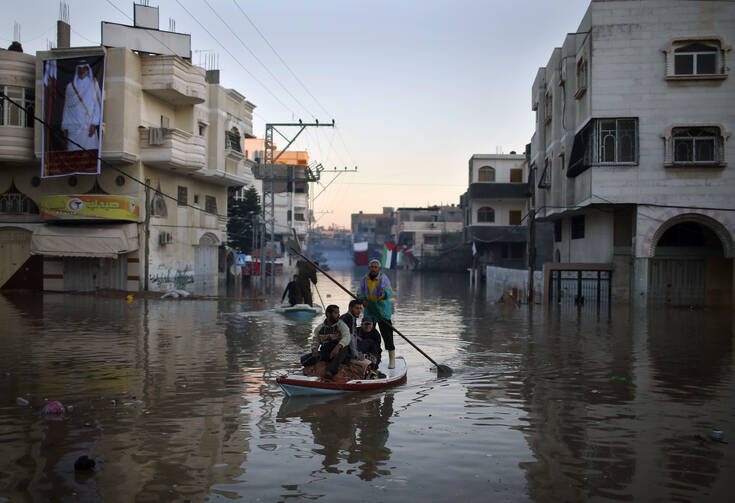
{"type": "Point", "coordinates": [623, 412]}
{"type": "Point", "coordinates": [353, 429]}
{"type": "Point", "coordinates": [101, 359]}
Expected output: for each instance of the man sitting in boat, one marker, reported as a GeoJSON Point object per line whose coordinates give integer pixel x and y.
{"type": "Point", "coordinates": [292, 290]}
{"type": "Point", "coordinates": [368, 340]}
{"type": "Point", "coordinates": [331, 341]}
{"type": "Point", "coordinates": [350, 319]}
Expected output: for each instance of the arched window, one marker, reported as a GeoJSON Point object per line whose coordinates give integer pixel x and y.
{"type": "Point", "coordinates": [486, 174]}
{"type": "Point", "coordinates": [14, 202]}
{"type": "Point", "coordinates": [485, 215]}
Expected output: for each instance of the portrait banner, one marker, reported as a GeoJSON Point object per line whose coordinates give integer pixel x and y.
{"type": "Point", "coordinates": [72, 109]}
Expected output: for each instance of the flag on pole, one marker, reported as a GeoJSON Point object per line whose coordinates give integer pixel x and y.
{"type": "Point", "coordinates": [387, 261]}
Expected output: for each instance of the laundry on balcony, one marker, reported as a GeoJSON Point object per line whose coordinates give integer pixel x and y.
{"type": "Point", "coordinates": [155, 136]}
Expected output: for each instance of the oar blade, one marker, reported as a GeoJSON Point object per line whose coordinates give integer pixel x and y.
{"type": "Point", "coordinates": [443, 370]}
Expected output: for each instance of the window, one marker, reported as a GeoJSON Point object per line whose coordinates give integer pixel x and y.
{"type": "Point", "coordinates": [548, 107]}
{"type": "Point", "coordinates": [12, 115]}
{"type": "Point", "coordinates": [432, 240]}
{"type": "Point", "coordinates": [486, 174]}
{"type": "Point", "coordinates": [514, 217]}
{"type": "Point", "coordinates": [578, 227]}
{"type": "Point", "coordinates": [516, 250]}
{"type": "Point", "coordinates": [196, 199]}
{"type": "Point", "coordinates": [545, 179]}
{"type": "Point", "coordinates": [232, 140]}
{"type": "Point", "coordinates": [516, 175]}
{"type": "Point", "coordinates": [210, 204]}
{"type": "Point", "coordinates": [617, 140]}
{"type": "Point", "coordinates": [158, 204]}
{"type": "Point", "coordinates": [299, 217]}
{"type": "Point", "coordinates": [202, 128]}
{"type": "Point", "coordinates": [183, 197]}
{"type": "Point", "coordinates": [486, 215]}
{"type": "Point", "coordinates": [557, 231]}
{"type": "Point", "coordinates": [695, 59]}
{"type": "Point", "coordinates": [14, 202]}
{"type": "Point", "coordinates": [581, 77]}
{"type": "Point", "coordinates": [696, 145]}
{"type": "Point", "coordinates": [288, 217]}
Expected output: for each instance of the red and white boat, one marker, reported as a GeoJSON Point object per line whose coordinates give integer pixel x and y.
{"type": "Point", "coordinates": [300, 385]}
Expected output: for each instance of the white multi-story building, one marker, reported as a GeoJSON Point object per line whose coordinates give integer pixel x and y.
{"type": "Point", "coordinates": [169, 129]}
{"type": "Point", "coordinates": [633, 149]}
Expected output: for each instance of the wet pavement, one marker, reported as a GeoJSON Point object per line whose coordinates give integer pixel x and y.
{"type": "Point", "coordinates": [175, 400]}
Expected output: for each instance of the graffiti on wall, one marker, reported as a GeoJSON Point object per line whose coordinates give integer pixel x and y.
{"type": "Point", "coordinates": [172, 278]}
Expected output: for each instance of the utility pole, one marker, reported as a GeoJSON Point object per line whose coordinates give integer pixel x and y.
{"type": "Point", "coordinates": [531, 226]}
{"type": "Point", "coordinates": [269, 175]}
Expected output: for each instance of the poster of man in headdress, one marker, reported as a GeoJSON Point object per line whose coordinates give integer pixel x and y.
{"type": "Point", "coordinates": [72, 107]}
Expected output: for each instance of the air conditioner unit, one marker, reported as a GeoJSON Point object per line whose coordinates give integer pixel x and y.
{"type": "Point", "coordinates": [165, 238]}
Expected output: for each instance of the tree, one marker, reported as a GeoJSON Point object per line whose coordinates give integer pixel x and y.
{"type": "Point", "coordinates": [241, 218]}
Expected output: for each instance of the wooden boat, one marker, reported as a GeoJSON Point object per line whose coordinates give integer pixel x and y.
{"type": "Point", "coordinates": [300, 310]}
{"type": "Point", "coordinates": [299, 385]}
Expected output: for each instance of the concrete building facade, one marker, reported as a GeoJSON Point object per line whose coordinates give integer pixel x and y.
{"type": "Point", "coordinates": [424, 229]}
{"type": "Point", "coordinates": [632, 147]}
{"type": "Point", "coordinates": [171, 143]}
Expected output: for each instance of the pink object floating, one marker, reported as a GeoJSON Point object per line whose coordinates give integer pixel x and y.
{"type": "Point", "coordinates": [52, 409]}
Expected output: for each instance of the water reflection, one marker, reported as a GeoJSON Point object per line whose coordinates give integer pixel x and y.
{"type": "Point", "coordinates": [176, 400]}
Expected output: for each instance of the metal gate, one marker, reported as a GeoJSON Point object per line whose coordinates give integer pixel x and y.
{"type": "Point", "coordinates": [86, 274]}
{"type": "Point", "coordinates": [677, 281]}
{"type": "Point", "coordinates": [580, 287]}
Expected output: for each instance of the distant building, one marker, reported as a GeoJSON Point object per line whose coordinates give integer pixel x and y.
{"type": "Point", "coordinates": [633, 141]}
{"type": "Point", "coordinates": [166, 122]}
{"type": "Point", "coordinates": [496, 212]}
{"type": "Point", "coordinates": [291, 187]}
{"type": "Point", "coordinates": [425, 230]}
{"type": "Point", "coordinates": [373, 228]}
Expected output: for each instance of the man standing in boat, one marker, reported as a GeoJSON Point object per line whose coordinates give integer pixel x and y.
{"type": "Point", "coordinates": [331, 341]}
{"type": "Point", "coordinates": [306, 276]}
{"type": "Point", "coordinates": [375, 292]}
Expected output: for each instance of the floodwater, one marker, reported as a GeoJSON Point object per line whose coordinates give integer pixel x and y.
{"type": "Point", "coordinates": [175, 400]}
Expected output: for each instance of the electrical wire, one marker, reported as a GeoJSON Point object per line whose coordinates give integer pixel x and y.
{"type": "Point", "coordinates": [99, 158]}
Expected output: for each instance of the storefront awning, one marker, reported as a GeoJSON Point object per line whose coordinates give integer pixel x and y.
{"type": "Point", "coordinates": [104, 241]}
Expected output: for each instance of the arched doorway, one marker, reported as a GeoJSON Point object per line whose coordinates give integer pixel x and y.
{"type": "Point", "coordinates": [692, 262]}
{"type": "Point", "coordinates": [205, 265]}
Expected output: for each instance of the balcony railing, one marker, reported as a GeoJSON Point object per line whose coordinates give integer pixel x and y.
{"type": "Point", "coordinates": [173, 80]}
{"type": "Point", "coordinates": [173, 149]}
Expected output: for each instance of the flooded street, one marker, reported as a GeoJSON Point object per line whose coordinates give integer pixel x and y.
{"type": "Point", "coordinates": [176, 400]}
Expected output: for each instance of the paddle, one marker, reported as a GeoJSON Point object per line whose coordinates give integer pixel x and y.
{"type": "Point", "coordinates": [440, 369]}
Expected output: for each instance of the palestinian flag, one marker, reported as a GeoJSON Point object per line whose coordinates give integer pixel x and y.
{"type": "Point", "coordinates": [388, 261]}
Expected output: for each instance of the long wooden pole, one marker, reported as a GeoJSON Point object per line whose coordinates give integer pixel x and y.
{"type": "Point", "coordinates": [441, 369]}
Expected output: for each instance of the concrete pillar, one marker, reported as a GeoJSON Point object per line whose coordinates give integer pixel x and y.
{"type": "Point", "coordinates": [63, 35]}
{"type": "Point", "coordinates": [640, 277]}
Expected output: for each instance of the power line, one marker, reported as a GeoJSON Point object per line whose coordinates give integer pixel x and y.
{"type": "Point", "coordinates": [235, 59]}
{"type": "Point", "coordinates": [258, 59]}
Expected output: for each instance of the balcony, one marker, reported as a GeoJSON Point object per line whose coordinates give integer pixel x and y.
{"type": "Point", "coordinates": [177, 150]}
{"type": "Point", "coordinates": [173, 80]}
{"type": "Point", "coordinates": [16, 144]}
{"type": "Point", "coordinates": [492, 190]}
{"type": "Point", "coordinates": [17, 80]}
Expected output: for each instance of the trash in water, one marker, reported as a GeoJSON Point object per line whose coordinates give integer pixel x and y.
{"type": "Point", "coordinates": [129, 298]}
{"type": "Point", "coordinates": [84, 463]}
{"type": "Point", "coordinates": [21, 401]}
{"type": "Point", "coordinates": [52, 409]}
{"type": "Point", "coordinates": [618, 378]}
{"type": "Point", "coordinates": [175, 294]}
{"type": "Point", "coordinates": [717, 436]}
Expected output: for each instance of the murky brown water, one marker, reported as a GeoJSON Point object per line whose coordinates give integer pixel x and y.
{"type": "Point", "coordinates": [176, 401]}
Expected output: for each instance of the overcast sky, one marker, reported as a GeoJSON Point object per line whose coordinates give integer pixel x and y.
{"type": "Point", "coordinates": [415, 86]}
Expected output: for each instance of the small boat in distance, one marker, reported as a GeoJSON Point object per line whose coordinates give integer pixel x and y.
{"type": "Point", "coordinates": [299, 384]}
{"type": "Point", "coordinates": [300, 310]}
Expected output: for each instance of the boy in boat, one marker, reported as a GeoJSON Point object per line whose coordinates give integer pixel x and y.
{"type": "Point", "coordinates": [350, 319]}
{"type": "Point", "coordinates": [375, 292]}
{"type": "Point", "coordinates": [331, 341]}
{"type": "Point", "coordinates": [368, 339]}
{"type": "Point", "coordinates": [292, 290]}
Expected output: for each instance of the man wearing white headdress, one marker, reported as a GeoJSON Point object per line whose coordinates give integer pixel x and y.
{"type": "Point", "coordinates": [82, 109]}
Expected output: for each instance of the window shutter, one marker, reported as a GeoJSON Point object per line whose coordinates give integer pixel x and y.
{"type": "Point", "coordinates": [669, 55]}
